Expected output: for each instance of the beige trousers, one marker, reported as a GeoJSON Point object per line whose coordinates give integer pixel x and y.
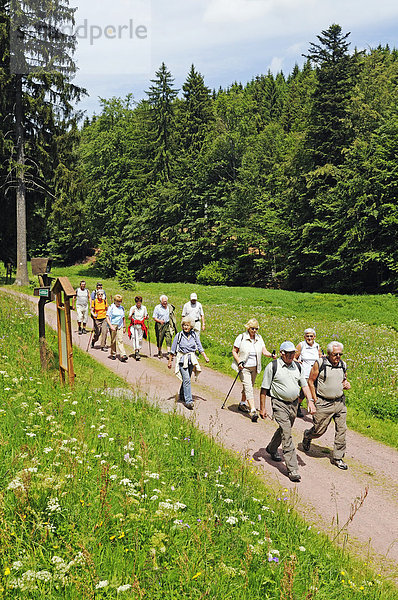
{"type": "Point", "coordinates": [248, 377]}
{"type": "Point", "coordinates": [117, 346]}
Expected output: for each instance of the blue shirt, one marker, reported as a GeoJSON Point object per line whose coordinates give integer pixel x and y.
{"type": "Point", "coordinates": [186, 342]}
{"type": "Point", "coordinates": [161, 313]}
{"type": "Point", "coordinates": [116, 314]}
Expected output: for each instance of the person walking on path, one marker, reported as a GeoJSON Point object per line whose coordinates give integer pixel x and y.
{"type": "Point", "coordinates": [165, 323]}
{"type": "Point", "coordinates": [184, 347]}
{"type": "Point", "coordinates": [80, 302]}
{"type": "Point", "coordinates": [138, 328]}
{"type": "Point", "coordinates": [99, 307]}
{"type": "Point", "coordinates": [307, 352]}
{"type": "Point", "coordinates": [98, 288]}
{"type": "Point", "coordinates": [247, 350]}
{"type": "Point", "coordinates": [117, 325]}
{"type": "Point", "coordinates": [282, 382]}
{"type": "Point", "coordinates": [327, 382]}
{"type": "Point", "coordinates": [194, 310]}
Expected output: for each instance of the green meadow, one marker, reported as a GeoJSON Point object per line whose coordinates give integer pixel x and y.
{"type": "Point", "coordinates": [103, 496]}
{"type": "Point", "coordinates": [366, 325]}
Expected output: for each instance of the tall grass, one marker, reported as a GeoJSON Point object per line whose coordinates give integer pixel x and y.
{"type": "Point", "coordinates": [103, 496]}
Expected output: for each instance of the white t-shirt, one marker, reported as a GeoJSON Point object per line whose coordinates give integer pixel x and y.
{"type": "Point", "coordinates": [308, 355]}
{"type": "Point", "coordinates": [194, 311]}
{"type": "Point", "coordinates": [139, 313]}
{"type": "Point", "coordinates": [252, 358]}
{"type": "Point", "coordinates": [82, 297]}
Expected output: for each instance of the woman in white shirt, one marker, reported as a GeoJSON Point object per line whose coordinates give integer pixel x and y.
{"type": "Point", "coordinates": [138, 315]}
{"type": "Point", "coordinates": [247, 351]}
{"type": "Point", "coordinates": [307, 352]}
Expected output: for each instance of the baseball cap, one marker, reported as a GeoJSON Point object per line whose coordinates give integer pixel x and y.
{"type": "Point", "coordinates": [194, 296]}
{"type": "Point", "coordinates": [287, 347]}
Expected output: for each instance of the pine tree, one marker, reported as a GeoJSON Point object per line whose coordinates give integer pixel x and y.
{"type": "Point", "coordinates": [197, 111]}
{"type": "Point", "coordinates": [160, 97]}
{"type": "Point", "coordinates": [40, 66]}
{"type": "Point", "coordinates": [329, 131]}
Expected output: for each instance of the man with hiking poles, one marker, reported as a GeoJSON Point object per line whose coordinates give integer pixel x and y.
{"type": "Point", "coordinates": [327, 383]}
{"type": "Point", "coordinates": [282, 382]}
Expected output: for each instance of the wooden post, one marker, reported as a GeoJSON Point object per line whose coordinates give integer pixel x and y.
{"type": "Point", "coordinates": [64, 291]}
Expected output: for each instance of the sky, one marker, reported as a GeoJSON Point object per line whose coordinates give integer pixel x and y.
{"type": "Point", "coordinates": [121, 43]}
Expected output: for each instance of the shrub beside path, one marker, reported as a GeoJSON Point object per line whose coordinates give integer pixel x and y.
{"type": "Point", "coordinates": [327, 497]}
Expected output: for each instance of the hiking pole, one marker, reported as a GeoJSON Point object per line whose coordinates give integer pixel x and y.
{"type": "Point", "coordinates": [237, 375]}
{"type": "Point", "coordinates": [149, 343]}
{"type": "Point", "coordinates": [89, 340]}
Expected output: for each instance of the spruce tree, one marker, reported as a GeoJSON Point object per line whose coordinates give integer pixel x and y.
{"type": "Point", "coordinates": [328, 130]}
{"type": "Point", "coordinates": [160, 97]}
{"type": "Point", "coordinates": [40, 66]}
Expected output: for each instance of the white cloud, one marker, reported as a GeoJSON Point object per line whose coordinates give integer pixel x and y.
{"type": "Point", "coordinates": [275, 65]}
{"type": "Point", "coordinates": [227, 40]}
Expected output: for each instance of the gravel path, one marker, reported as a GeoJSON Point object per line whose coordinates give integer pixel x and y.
{"type": "Point", "coordinates": [326, 496]}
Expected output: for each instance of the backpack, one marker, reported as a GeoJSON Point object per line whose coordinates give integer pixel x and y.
{"type": "Point", "coordinates": [325, 364]}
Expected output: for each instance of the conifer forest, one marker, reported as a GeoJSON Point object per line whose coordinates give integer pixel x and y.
{"type": "Point", "coordinates": [288, 181]}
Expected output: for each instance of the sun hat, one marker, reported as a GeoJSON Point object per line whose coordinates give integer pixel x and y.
{"type": "Point", "coordinates": [287, 347]}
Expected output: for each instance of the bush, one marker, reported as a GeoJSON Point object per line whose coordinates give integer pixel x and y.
{"type": "Point", "coordinates": [215, 273]}
{"type": "Point", "coordinates": [126, 278]}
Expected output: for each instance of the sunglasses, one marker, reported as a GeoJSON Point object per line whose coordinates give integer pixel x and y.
{"type": "Point", "coordinates": [337, 354]}
{"type": "Point", "coordinates": [253, 328]}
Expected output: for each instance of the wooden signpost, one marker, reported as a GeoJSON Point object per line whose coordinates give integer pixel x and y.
{"type": "Point", "coordinates": [42, 267]}
{"type": "Point", "coordinates": [63, 291]}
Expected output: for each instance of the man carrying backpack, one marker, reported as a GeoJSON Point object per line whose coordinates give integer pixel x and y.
{"type": "Point", "coordinates": [327, 383]}
{"type": "Point", "coordinates": [282, 382]}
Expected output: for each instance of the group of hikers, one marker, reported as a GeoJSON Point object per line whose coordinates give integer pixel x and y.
{"type": "Point", "coordinates": [300, 370]}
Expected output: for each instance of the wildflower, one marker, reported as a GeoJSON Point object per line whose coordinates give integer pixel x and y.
{"type": "Point", "coordinates": [16, 484]}
{"type": "Point", "coordinates": [192, 452]}
{"type": "Point", "coordinates": [301, 548]}
{"type": "Point", "coordinates": [197, 575]}
{"type": "Point", "coordinates": [232, 520]}
{"type": "Point", "coordinates": [123, 588]}
{"type": "Point", "coordinates": [7, 571]}
{"type": "Point", "coordinates": [101, 584]}
{"type": "Point", "coordinates": [53, 505]}
{"type": "Point", "coordinates": [255, 533]}
{"type": "Point", "coordinates": [47, 450]}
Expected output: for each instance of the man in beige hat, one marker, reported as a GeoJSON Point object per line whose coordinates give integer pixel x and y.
{"type": "Point", "coordinates": [194, 310]}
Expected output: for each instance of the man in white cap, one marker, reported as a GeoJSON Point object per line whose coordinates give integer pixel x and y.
{"type": "Point", "coordinates": [282, 382]}
{"type": "Point", "coordinates": [194, 310]}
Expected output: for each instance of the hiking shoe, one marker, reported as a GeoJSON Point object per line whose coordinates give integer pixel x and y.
{"type": "Point", "coordinates": [112, 357]}
{"type": "Point", "coordinates": [80, 332]}
{"type": "Point", "coordinates": [92, 344]}
{"type": "Point", "coordinates": [137, 355]}
{"type": "Point", "coordinates": [124, 358]}
{"type": "Point", "coordinates": [160, 355]}
{"type": "Point", "coordinates": [294, 476]}
{"type": "Point", "coordinates": [274, 455]}
{"type": "Point", "coordinates": [188, 405]}
{"type": "Point", "coordinates": [243, 407]}
{"type": "Point", "coordinates": [84, 330]}
{"type": "Point", "coordinates": [340, 464]}
{"type": "Point", "coordinates": [254, 416]}
{"type": "Point", "coordinates": [306, 441]}
{"type": "Point", "coordinates": [104, 349]}
{"type": "Point", "coordinates": [300, 413]}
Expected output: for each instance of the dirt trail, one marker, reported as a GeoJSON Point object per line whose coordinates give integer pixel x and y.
{"type": "Point", "coordinates": [324, 494]}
